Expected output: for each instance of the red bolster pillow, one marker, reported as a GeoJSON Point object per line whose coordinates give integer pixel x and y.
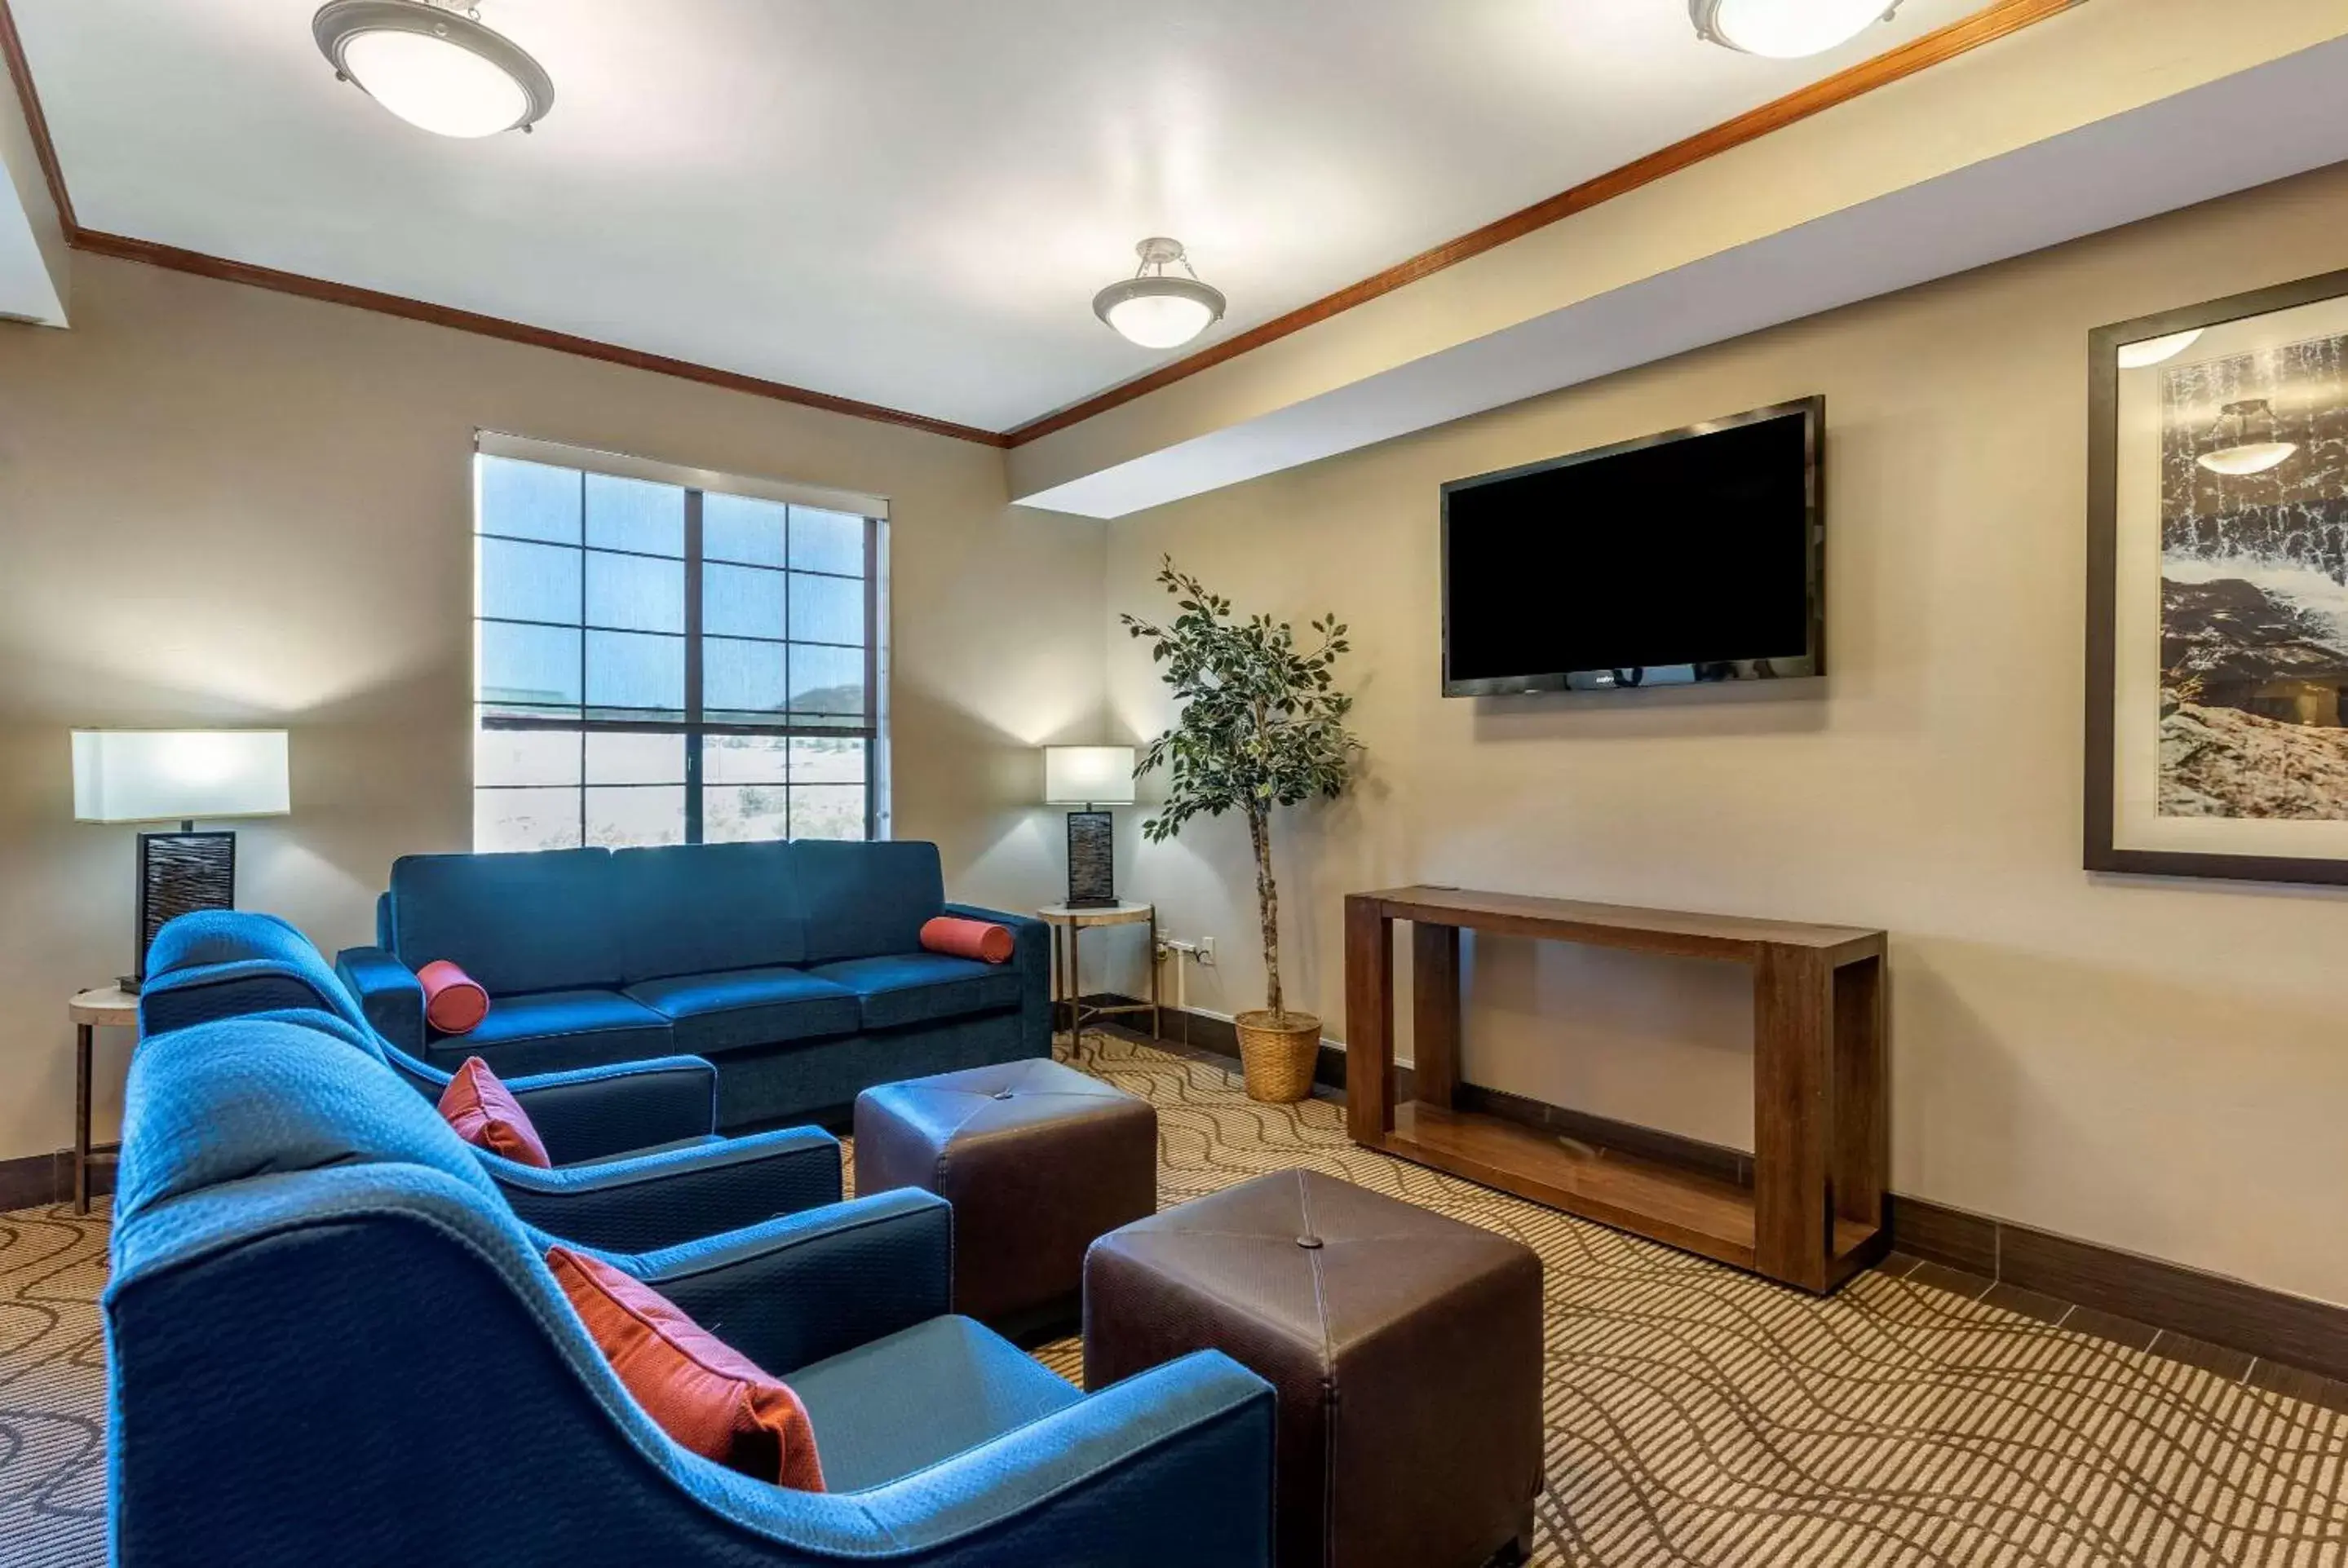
{"type": "Point", "coordinates": [980, 939]}
{"type": "Point", "coordinates": [453, 1002]}
{"type": "Point", "coordinates": [486, 1114]}
{"type": "Point", "coordinates": [697, 1388]}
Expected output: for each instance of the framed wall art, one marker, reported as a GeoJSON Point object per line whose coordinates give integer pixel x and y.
{"type": "Point", "coordinates": [2218, 588]}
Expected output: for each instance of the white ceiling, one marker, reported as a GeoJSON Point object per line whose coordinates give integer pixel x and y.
{"type": "Point", "coordinates": [905, 201]}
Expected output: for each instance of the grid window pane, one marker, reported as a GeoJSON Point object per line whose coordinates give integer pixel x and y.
{"type": "Point", "coordinates": [635, 757]}
{"type": "Point", "coordinates": [826, 609]}
{"type": "Point", "coordinates": [746, 759]}
{"type": "Point", "coordinates": [826, 760]}
{"type": "Point", "coordinates": [741, 601]}
{"type": "Point", "coordinates": [827, 681]}
{"type": "Point", "coordinates": [525, 757]}
{"type": "Point", "coordinates": [735, 814]}
{"type": "Point", "coordinates": [741, 677]}
{"type": "Point", "coordinates": [827, 541]}
{"type": "Point", "coordinates": [584, 587]}
{"type": "Point", "coordinates": [518, 819]}
{"type": "Point", "coordinates": [738, 528]}
{"type": "Point", "coordinates": [529, 666]}
{"type": "Point", "coordinates": [619, 818]}
{"type": "Point", "coordinates": [527, 500]}
{"type": "Point", "coordinates": [635, 515]}
{"type": "Point", "coordinates": [529, 583]}
{"type": "Point", "coordinates": [634, 593]}
{"type": "Point", "coordinates": [630, 669]}
{"type": "Point", "coordinates": [828, 810]}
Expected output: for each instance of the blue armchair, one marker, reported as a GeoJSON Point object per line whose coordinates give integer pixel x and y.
{"type": "Point", "coordinates": [638, 1162]}
{"type": "Point", "coordinates": [330, 1339]}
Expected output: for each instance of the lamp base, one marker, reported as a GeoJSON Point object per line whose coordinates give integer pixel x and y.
{"type": "Point", "coordinates": [1092, 860]}
{"type": "Point", "coordinates": [179, 872]}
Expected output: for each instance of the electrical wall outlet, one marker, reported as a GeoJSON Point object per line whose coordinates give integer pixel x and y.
{"type": "Point", "coordinates": [1207, 951]}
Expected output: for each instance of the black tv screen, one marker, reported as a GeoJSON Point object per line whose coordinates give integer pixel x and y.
{"type": "Point", "coordinates": [1687, 556]}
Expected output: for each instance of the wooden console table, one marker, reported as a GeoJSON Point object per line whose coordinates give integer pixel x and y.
{"type": "Point", "coordinates": [1815, 1213]}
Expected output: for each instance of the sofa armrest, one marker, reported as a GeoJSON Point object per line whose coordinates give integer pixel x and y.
{"type": "Point", "coordinates": [796, 1290]}
{"type": "Point", "coordinates": [1032, 957]}
{"type": "Point", "coordinates": [592, 1113]}
{"type": "Point", "coordinates": [1167, 1469]}
{"type": "Point", "coordinates": [388, 993]}
{"type": "Point", "coordinates": [662, 1199]}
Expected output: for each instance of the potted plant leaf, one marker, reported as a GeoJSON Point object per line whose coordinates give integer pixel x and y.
{"type": "Point", "coordinates": [1261, 725]}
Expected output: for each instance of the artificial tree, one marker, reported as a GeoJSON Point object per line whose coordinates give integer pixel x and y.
{"type": "Point", "coordinates": [1262, 724]}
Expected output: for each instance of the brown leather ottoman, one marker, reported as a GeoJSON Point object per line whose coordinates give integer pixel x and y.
{"type": "Point", "coordinates": [1407, 1349]}
{"type": "Point", "coordinates": [1037, 1159]}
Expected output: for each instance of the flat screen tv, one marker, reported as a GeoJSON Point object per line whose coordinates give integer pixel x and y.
{"type": "Point", "coordinates": [1693, 555]}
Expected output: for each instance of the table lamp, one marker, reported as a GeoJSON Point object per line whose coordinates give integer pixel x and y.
{"type": "Point", "coordinates": [154, 775]}
{"type": "Point", "coordinates": [1090, 777]}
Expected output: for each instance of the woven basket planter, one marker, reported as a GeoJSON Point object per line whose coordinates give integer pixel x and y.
{"type": "Point", "coordinates": [1278, 1061]}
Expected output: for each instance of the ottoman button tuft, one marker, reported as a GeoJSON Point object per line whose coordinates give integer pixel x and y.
{"type": "Point", "coordinates": [1309, 1243]}
{"type": "Point", "coordinates": [1003, 1094]}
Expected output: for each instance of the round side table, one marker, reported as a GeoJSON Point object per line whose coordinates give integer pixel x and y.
{"type": "Point", "coordinates": [1066, 921]}
{"type": "Point", "coordinates": [108, 1007]}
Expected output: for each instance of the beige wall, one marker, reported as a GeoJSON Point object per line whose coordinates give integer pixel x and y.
{"type": "Point", "coordinates": [2156, 1065]}
{"type": "Point", "coordinates": [224, 505]}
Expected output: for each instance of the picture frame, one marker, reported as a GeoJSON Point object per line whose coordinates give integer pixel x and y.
{"type": "Point", "coordinates": [2217, 626]}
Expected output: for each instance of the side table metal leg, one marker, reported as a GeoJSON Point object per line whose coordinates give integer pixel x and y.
{"type": "Point", "coordinates": [1156, 1009]}
{"type": "Point", "coordinates": [82, 1033]}
{"type": "Point", "coordinates": [1076, 989]}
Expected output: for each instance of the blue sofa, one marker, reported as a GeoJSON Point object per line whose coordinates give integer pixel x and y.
{"type": "Point", "coordinates": [328, 1339]}
{"type": "Point", "coordinates": [637, 1160]}
{"type": "Point", "coordinates": [796, 968]}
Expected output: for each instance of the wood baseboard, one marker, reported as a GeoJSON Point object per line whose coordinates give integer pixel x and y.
{"type": "Point", "coordinates": [35, 1180]}
{"type": "Point", "coordinates": [2270, 1325]}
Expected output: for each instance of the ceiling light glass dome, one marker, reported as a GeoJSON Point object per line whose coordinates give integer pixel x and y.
{"type": "Point", "coordinates": [2151, 351]}
{"type": "Point", "coordinates": [1786, 30]}
{"type": "Point", "coordinates": [1157, 309]}
{"type": "Point", "coordinates": [2241, 424]}
{"type": "Point", "coordinates": [433, 67]}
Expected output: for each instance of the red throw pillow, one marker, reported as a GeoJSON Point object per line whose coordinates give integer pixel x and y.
{"type": "Point", "coordinates": [453, 1002]}
{"type": "Point", "coordinates": [486, 1115]}
{"type": "Point", "coordinates": [697, 1388]}
{"type": "Point", "coordinates": [969, 938]}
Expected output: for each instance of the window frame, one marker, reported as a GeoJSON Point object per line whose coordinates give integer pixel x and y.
{"type": "Point", "coordinates": [692, 724]}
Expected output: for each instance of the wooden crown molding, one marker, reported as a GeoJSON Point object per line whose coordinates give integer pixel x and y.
{"type": "Point", "coordinates": [1994, 22]}
{"type": "Point", "coordinates": [20, 71]}
{"type": "Point", "coordinates": [124, 248]}
{"type": "Point", "coordinates": [1984, 26]}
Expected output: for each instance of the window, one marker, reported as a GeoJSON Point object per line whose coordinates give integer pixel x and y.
{"type": "Point", "coordinates": [670, 662]}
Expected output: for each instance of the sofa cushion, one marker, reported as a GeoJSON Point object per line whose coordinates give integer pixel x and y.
{"type": "Point", "coordinates": [900, 989]}
{"type": "Point", "coordinates": [689, 908]}
{"type": "Point", "coordinates": [738, 1007]}
{"type": "Point", "coordinates": [863, 899]}
{"type": "Point", "coordinates": [700, 1390]}
{"type": "Point", "coordinates": [542, 921]}
{"type": "Point", "coordinates": [549, 1030]}
{"type": "Point", "coordinates": [885, 1409]}
{"type": "Point", "coordinates": [486, 1114]}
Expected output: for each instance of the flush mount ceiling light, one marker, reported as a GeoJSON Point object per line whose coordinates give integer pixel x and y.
{"type": "Point", "coordinates": [2244, 422]}
{"type": "Point", "coordinates": [2153, 350]}
{"type": "Point", "coordinates": [1786, 30]}
{"type": "Point", "coordinates": [1157, 309]}
{"type": "Point", "coordinates": [434, 65]}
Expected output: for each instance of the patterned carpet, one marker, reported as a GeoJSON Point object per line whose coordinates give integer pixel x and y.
{"type": "Point", "coordinates": [1696, 1416]}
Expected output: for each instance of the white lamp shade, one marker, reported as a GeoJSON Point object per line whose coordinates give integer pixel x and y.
{"type": "Point", "coordinates": [156, 776]}
{"type": "Point", "coordinates": [1088, 776]}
